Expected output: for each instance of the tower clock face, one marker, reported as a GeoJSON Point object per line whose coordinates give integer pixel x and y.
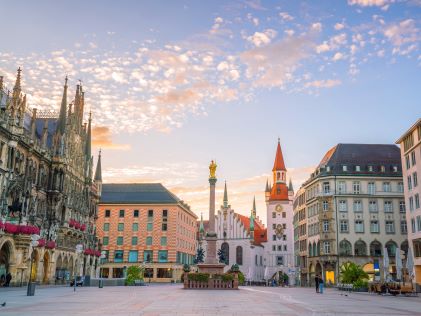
{"type": "Point", "coordinates": [279, 208]}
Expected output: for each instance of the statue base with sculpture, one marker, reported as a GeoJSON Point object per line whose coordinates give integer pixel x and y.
{"type": "Point", "coordinates": [211, 277]}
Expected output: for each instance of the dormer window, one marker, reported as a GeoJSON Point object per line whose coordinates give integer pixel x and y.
{"type": "Point", "coordinates": [344, 168]}
{"type": "Point", "coordinates": [357, 168]}
{"type": "Point", "coordinates": [382, 168]}
{"type": "Point", "coordinates": [395, 168]}
{"type": "Point", "coordinates": [370, 168]}
{"type": "Point", "coordinates": [327, 168]}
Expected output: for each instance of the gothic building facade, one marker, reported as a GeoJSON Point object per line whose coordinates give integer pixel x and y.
{"type": "Point", "coordinates": [47, 189]}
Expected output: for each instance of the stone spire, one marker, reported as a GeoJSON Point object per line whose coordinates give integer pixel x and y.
{"type": "Point", "coordinates": [1, 84]}
{"type": "Point", "coordinates": [225, 195]}
{"type": "Point", "coordinates": [61, 125]}
{"type": "Point", "coordinates": [17, 88]}
{"type": "Point", "coordinates": [76, 107]}
{"type": "Point", "coordinates": [33, 121]}
{"type": "Point", "coordinates": [201, 226]}
{"type": "Point", "coordinates": [98, 171]}
{"type": "Point", "coordinates": [267, 186]}
{"type": "Point", "coordinates": [290, 187]}
{"type": "Point", "coordinates": [88, 139]}
{"type": "Point", "coordinates": [254, 207]}
{"type": "Point", "coordinates": [45, 134]}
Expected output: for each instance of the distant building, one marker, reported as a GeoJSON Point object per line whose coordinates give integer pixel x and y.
{"type": "Point", "coordinates": [300, 236]}
{"type": "Point", "coordinates": [279, 249]}
{"type": "Point", "coordinates": [410, 143]}
{"type": "Point", "coordinates": [355, 209]}
{"type": "Point", "coordinates": [145, 224]}
{"type": "Point", "coordinates": [240, 238]}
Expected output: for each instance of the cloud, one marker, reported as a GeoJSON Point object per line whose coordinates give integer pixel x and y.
{"type": "Point", "coordinates": [285, 16]}
{"type": "Point", "coordinates": [338, 56]}
{"type": "Point", "coordinates": [370, 3]}
{"type": "Point", "coordinates": [402, 33]}
{"type": "Point", "coordinates": [339, 26]}
{"type": "Point", "coordinates": [330, 83]}
{"type": "Point", "coordinates": [262, 38]}
{"type": "Point", "coordinates": [101, 137]}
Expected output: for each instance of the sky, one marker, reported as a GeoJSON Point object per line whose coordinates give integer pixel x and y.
{"type": "Point", "coordinates": [174, 84]}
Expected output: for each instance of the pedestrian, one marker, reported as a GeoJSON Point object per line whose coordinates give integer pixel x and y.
{"type": "Point", "coordinates": [8, 279]}
{"type": "Point", "coordinates": [2, 279]}
{"type": "Point", "coordinates": [321, 284]}
{"type": "Point", "coordinates": [316, 280]}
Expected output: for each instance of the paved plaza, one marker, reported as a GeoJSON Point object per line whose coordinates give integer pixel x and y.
{"type": "Point", "coordinates": [173, 300]}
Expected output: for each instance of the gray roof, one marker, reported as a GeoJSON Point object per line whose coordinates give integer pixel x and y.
{"type": "Point", "coordinates": [136, 193]}
{"type": "Point", "coordinates": [363, 155]}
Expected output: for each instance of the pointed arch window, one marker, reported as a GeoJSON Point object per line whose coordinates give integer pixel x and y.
{"type": "Point", "coordinates": [239, 255]}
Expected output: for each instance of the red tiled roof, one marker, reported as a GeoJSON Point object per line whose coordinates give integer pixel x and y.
{"type": "Point", "coordinates": [260, 232]}
{"type": "Point", "coordinates": [279, 159]}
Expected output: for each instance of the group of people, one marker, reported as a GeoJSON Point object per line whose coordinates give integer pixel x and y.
{"type": "Point", "coordinates": [319, 284]}
{"type": "Point", "coordinates": [5, 279]}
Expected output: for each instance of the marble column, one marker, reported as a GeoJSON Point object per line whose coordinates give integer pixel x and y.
{"type": "Point", "coordinates": [211, 236]}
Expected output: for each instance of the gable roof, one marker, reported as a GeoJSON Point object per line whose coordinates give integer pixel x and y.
{"type": "Point", "coordinates": [260, 232]}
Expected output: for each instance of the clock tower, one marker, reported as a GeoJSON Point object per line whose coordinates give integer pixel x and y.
{"type": "Point", "coordinates": [280, 246]}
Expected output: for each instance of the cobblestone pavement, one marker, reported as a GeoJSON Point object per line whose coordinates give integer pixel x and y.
{"type": "Point", "coordinates": [173, 300]}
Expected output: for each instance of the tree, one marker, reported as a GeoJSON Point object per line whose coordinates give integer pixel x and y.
{"type": "Point", "coordinates": [134, 273]}
{"type": "Point", "coordinates": [200, 255]}
{"type": "Point", "coordinates": [352, 273]}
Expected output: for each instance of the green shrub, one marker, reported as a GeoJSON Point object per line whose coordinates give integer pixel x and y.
{"type": "Point", "coordinates": [133, 273]}
{"type": "Point", "coordinates": [199, 277]}
{"type": "Point", "coordinates": [360, 284]}
{"type": "Point", "coordinates": [227, 277]}
{"type": "Point", "coordinates": [351, 273]}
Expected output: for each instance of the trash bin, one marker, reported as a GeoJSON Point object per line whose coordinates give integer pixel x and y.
{"type": "Point", "coordinates": [101, 283]}
{"type": "Point", "coordinates": [31, 289]}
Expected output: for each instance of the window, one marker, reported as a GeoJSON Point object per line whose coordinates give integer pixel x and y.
{"type": "Point", "coordinates": [395, 169]}
{"type": "Point", "coordinates": [415, 178]}
{"type": "Point", "coordinates": [358, 206]}
{"type": "Point", "coordinates": [390, 227]}
{"type": "Point", "coordinates": [344, 226]}
{"type": "Point", "coordinates": [136, 213]}
{"type": "Point", "coordinates": [417, 201]}
{"type": "Point", "coordinates": [107, 213]}
{"type": "Point", "coordinates": [412, 225]}
{"type": "Point", "coordinates": [274, 237]}
{"type": "Point", "coordinates": [325, 205]}
{"type": "Point", "coordinates": [382, 168]}
{"type": "Point", "coordinates": [388, 206]}
{"type": "Point", "coordinates": [148, 255]}
{"type": "Point", "coordinates": [284, 214]}
{"type": "Point", "coordinates": [149, 227]}
{"type": "Point", "coordinates": [371, 188]}
{"type": "Point", "coordinates": [118, 256]}
{"type": "Point", "coordinates": [133, 256]}
{"type": "Point", "coordinates": [163, 241]}
{"type": "Point", "coordinates": [359, 226]}
{"type": "Point", "coordinates": [409, 183]}
{"type": "Point", "coordinates": [164, 220]}
{"type": "Point", "coordinates": [342, 187]}
{"type": "Point", "coordinates": [326, 247]}
{"type": "Point", "coordinates": [285, 249]}
{"type": "Point", "coordinates": [135, 227]}
{"type": "Point", "coordinates": [419, 223]}
{"type": "Point", "coordinates": [163, 256]}
{"type": "Point", "coordinates": [357, 168]}
{"type": "Point", "coordinates": [239, 255]}
{"type": "Point", "coordinates": [279, 260]}
{"type": "Point", "coordinates": [360, 248]}
{"type": "Point", "coordinates": [400, 187]}
{"type": "Point", "coordinates": [356, 187]}
{"type": "Point", "coordinates": [120, 227]}
{"type": "Point", "coordinates": [386, 187]}
{"type": "Point", "coordinates": [408, 162]}
{"type": "Point", "coordinates": [121, 213]}
{"type": "Point", "coordinates": [284, 226]}
{"type": "Point", "coordinates": [273, 226]}
{"type": "Point", "coordinates": [325, 226]}
{"type": "Point", "coordinates": [411, 203]}
{"type": "Point", "coordinates": [326, 187]}
{"type": "Point", "coordinates": [149, 241]}
{"type": "Point", "coordinates": [105, 241]}
{"type": "Point", "coordinates": [150, 215]}
{"type": "Point", "coordinates": [402, 206]}
{"type": "Point", "coordinates": [119, 240]}
{"type": "Point", "coordinates": [374, 226]}
{"type": "Point", "coordinates": [413, 158]}
{"type": "Point", "coordinates": [273, 214]}
{"type": "Point", "coordinates": [106, 227]}
{"type": "Point", "coordinates": [345, 248]}
{"type": "Point", "coordinates": [342, 206]}
{"type": "Point", "coordinates": [279, 247]}
{"type": "Point", "coordinates": [134, 241]}
{"type": "Point", "coordinates": [164, 273]}
{"type": "Point", "coordinates": [344, 168]}
{"type": "Point", "coordinates": [372, 206]}
{"type": "Point", "coordinates": [404, 228]}
{"type": "Point", "coordinates": [370, 168]}
{"type": "Point", "coordinates": [284, 237]}
{"type": "Point", "coordinates": [273, 248]}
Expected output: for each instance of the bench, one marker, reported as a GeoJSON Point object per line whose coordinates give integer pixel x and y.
{"type": "Point", "coordinates": [139, 283]}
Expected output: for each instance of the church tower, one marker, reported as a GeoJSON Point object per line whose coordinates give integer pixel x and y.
{"type": "Point", "coordinates": [280, 245]}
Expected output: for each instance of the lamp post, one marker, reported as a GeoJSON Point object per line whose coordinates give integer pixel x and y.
{"type": "Point", "coordinates": [79, 249]}
{"type": "Point", "coordinates": [101, 281]}
{"type": "Point", "coordinates": [31, 286]}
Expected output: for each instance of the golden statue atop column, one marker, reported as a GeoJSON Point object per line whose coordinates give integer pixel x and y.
{"type": "Point", "coordinates": [212, 170]}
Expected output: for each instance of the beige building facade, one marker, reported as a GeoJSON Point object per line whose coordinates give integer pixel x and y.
{"type": "Point", "coordinates": [355, 211]}
{"type": "Point", "coordinates": [410, 144]}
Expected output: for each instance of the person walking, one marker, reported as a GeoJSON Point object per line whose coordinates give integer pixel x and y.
{"type": "Point", "coordinates": [321, 284]}
{"type": "Point", "coordinates": [316, 280]}
{"type": "Point", "coordinates": [8, 279]}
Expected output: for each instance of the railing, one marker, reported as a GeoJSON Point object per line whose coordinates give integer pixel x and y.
{"type": "Point", "coordinates": [211, 283]}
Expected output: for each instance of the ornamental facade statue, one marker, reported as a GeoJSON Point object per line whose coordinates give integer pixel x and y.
{"type": "Point", "coordinates": [212, 169]}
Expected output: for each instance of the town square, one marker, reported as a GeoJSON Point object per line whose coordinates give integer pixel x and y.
{"type": "Point", "coordinates": [228, 157]}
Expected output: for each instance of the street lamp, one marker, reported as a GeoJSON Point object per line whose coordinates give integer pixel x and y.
{"type": "Point", "coordinates": [31, 285]}
{"type": "Point", "coordinates": [79, 249]}
{"type": "Point", "coordinates": [101, 281]}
